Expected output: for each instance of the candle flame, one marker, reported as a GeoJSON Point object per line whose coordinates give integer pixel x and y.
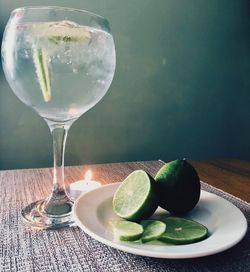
{"type": "Point", "coordinates": [88, 175]}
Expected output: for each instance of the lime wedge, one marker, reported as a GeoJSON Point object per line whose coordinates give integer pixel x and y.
{"type": "Point", "coordinates": [126, 230]}
{"type": "Point", "coordinates": [153, 229]}
{"type": "Point", "coordinates": [183, 231]}
{"type": "Point", "coordinates": [42, 71]}
{"type": "Point", "coordinates": [135, 199]}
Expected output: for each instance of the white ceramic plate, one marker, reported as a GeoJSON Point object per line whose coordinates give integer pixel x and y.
{"type": "Point", "coordinates": [225, 222]}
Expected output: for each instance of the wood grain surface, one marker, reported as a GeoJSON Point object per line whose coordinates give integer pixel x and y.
{"type": "Point", "coordinates": [232, 176]}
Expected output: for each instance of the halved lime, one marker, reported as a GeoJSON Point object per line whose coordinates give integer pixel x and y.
{"type": "Point", "coordinates": [183, 231]}
{"type": "Point", "coordinates": [178, 186]}
{"type": "Point", "coordinates": [126, 230]}
{"type": "Point", "coordinates": [153, 229]}
{"type": "Point", "coordinates": [135, 199]}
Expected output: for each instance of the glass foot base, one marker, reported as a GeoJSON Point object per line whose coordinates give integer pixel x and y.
{"type": "Point", "coordinates": [35, 216]}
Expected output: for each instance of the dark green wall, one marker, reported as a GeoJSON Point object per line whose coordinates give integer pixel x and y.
{"type": "Point", "coordinates": [181, 88]}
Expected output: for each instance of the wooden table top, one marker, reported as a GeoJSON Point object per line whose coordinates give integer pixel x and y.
{"type": "Point", "coordinates": [229, 175]}
{"type": "Point", "coordinates": [23, 249]}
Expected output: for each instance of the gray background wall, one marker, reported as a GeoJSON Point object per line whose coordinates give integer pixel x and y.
{"type": "Point", "coordinates": [181, 87]}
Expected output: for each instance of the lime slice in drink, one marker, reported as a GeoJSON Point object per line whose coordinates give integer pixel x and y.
{"type": "Point", "coordinates": [53, 33]}
{"type": "Point", "coordinates": [61, 32]}
{"type": "Point", "coordinates": [183, 231]}
{"type": "Point", "coordinates": [42, 71]}
{"type": "Point", "coordinates": [126, 230]}
{"type": "Point", "coordinates": [153, 229]}
{"type": "Point", "coordinates": [135, 199]}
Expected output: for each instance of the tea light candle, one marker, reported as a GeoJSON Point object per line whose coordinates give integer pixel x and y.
{"type": "Point", "coordinates": [82, 186]}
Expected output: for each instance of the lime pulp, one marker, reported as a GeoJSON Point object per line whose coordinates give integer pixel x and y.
{"type": "Point", "coordinates": [183, 231]}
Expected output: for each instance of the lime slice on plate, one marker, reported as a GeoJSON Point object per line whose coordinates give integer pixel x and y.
{"type": "Point", "coordinates": [153, 229]}
{"type": "Point", "coordinates": [183, 231]}
{"type": "Point", "coordinates": [135, 198]}
{"type": "Point", "coordinates": [126, 230]}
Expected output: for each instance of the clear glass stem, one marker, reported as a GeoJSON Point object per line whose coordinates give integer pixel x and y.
{"type": "Point", "coordinates": [59, 135]}
{"type": "Point", "coordinates": [58, 202]}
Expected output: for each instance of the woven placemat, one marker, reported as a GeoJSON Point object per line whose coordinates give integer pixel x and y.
{"type": "Point", "coordinates": [22, 249]}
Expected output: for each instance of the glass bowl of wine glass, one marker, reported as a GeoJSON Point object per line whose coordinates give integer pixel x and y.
{"type": "Point", "coordinates": [60, 62]}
